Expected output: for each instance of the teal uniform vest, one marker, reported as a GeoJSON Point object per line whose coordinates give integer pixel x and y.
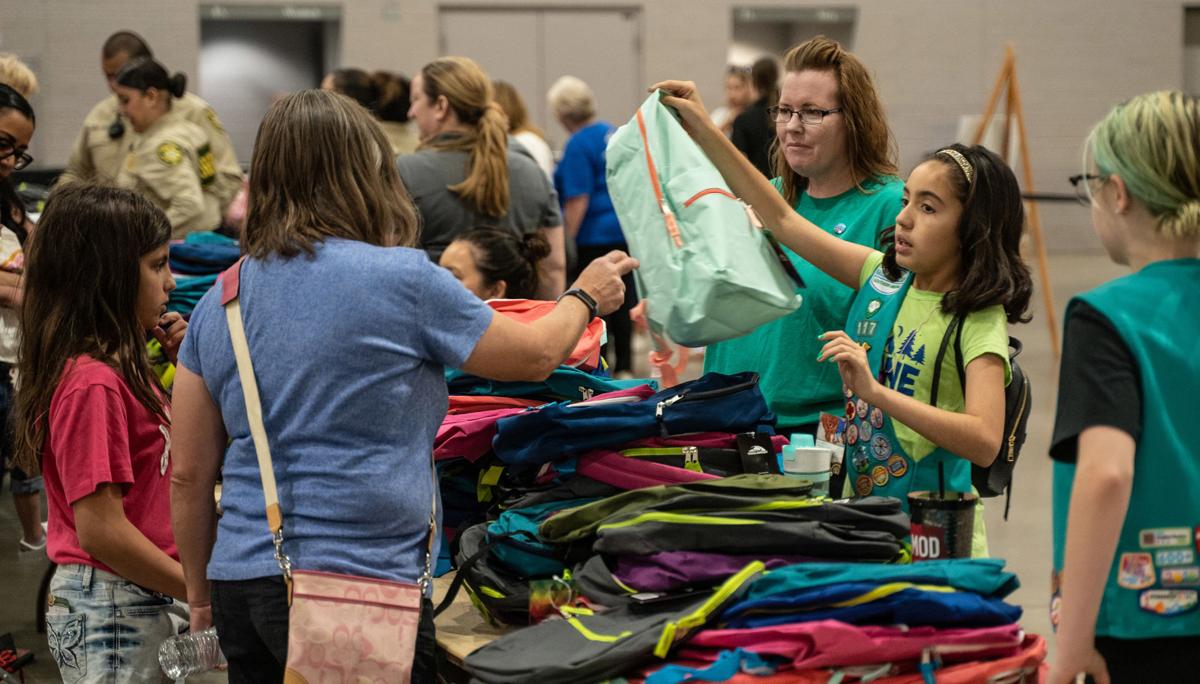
{"type": "Point", "coordinates": [1155, 576]}
{"type": "Point", "coordinates": [875, 462]}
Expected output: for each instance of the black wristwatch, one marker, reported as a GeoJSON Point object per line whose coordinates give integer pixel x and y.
{"type": "Point", "coordinates": [583, 297]}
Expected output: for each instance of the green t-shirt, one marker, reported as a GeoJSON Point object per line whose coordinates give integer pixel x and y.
{"type": "Point", "coordinates": [913, 347]}
{"type": "Point", "coordinates": [784, 351]}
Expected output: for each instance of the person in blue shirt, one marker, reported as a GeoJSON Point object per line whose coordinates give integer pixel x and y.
{"type": "Point", "coordinates": [588, 216]}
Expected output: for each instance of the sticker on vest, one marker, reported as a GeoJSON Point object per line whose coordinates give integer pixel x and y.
{"type": "Point", "coordinates": [897, 465]}
{"type": "Point", "coordinates": [862, 485]}
{"type": "Point", "coordinates": [881, 448]}
{"type": "Point", "coordinates": [877, 418]}
{"type": "Point", "coordinates": [839, 228]}
{"type": "Point", "coordinates": [879, 475]}
{"type": "Point", "coordinates": [873, 307]}
{"type": "Point", "coordinates": [1168, 602]}
{"type": "Point", "coordinates": [1136, 571]}
{"type": "Point", "coordinates": [881, 284]}
{"type": "Point", "coordinates": [850, 409]}
{"type": "Point", "coordinates": [1174, 557]}
{"type": "Point", "coordinates": [1165, 536]}
{"type": "Point", "coordinates": [1181, 577]}
{"type": "Point", "coordinates": [851, 434]}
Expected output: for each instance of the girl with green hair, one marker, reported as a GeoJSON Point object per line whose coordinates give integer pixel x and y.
{"type": "Point", "coordinates": [1125, 444]}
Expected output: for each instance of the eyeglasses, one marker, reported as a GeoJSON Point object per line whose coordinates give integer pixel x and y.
{"type": "Point", "coordinates": [1083, 186]}
{"type": "Point", "coordinates": [8, 149]}
{"type": "Point", "coordinates": [809, 115]}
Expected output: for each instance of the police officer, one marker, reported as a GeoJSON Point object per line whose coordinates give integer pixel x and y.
{"type": "Point", "coordinates": [167, 158]}
{"type": "Point", "coordinates": [100, 149]}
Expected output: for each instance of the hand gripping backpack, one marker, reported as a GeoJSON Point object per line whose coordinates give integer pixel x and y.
{"type": "Point", "coordinates": [708, 269]}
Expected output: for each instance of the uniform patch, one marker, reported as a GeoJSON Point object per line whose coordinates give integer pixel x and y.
{"type": "Point", "coordinates": [881, 284]}
{"type": "Point", "coordinates": [207, 166]}
{"type": "Point", "coordinates": [862, 407]}
{"type": "Point", "coordinates": [1174, 557]}
{"type": "Point", "coordinates": [897, 465]}
{"type": "Point", "coordinates": [839, 228]}
{"type": "Point", "coordinates": [864, 430]}
{"type": "Point", "coordinates": [865, 328]}
{"type": "Point", "coordinates": [1168, 602]}
{"type": "Point", "coordinates": [1188, 576]}
{"type": "Point", "coordinates": [881, 448]}
{"type": "Point", "coordinates": [847, 392]}
{"type": "Point", "coordinates": [861, 464]}
{"type": "Point", "coordinates": [862, 485]}
{"type": "Point", "coordinates": [877, 418]}
{"type": "Point", "coordinates": [212, 119]}
{"type": "Point", "coordinates": [1136, 571]}
{"type": "Point", "coordinates": [1055, 599]}
{"type": "Point", "coordinates": [170, 154]}
{"type": "Point", "coordinates": [879, 475]}
{"type": "Point", "coordinates": [1165, 536]}
{"type": "Point", "coordinates": [873, 307]}
{"type": "Point", "coordinates": [850, 410]}
{"type": "Point", "coordinates": [851, 434]}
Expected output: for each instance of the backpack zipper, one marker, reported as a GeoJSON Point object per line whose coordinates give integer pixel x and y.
{"type": "Point", "coordinates": [1012, 437]}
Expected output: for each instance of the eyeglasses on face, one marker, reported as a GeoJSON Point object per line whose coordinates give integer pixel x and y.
{"type": "Point", "coordinates": [808, 115]}
{"type": "Point", "coordinates": [8, 149]}
{"type": "Point", "coordinates": [1082, 182]}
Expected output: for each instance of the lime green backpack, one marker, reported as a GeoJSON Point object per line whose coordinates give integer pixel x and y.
{"type": "Point", "coordinates": [709, 271]}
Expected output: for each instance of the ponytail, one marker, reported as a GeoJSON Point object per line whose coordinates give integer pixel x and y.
{"type": "Point", "coordinates": [144, 73]}
{"type": "Point", "coordinates": [469, 92]}
{"type": "Point", "coordinates": [501, 255]}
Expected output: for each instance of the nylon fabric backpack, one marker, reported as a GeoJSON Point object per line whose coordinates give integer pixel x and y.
{"type": "Point", "coordinates": [708, 270]}
{"type": "Point", "coordinates": [516, 545]}
{"type": "Point", "coordinates": [995, 479]}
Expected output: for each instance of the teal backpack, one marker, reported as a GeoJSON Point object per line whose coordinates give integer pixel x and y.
{"type": "Point", "coordinates": [708, 270]}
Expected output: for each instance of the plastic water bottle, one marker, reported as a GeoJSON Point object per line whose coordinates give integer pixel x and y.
{"type": "Point", "coordinates": [189, 654]}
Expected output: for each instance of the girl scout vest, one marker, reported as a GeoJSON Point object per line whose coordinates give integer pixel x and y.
{"type": "Point", "coordinates": [875, 462]}
{"type": "Point", "coordinates": [1155, 577]}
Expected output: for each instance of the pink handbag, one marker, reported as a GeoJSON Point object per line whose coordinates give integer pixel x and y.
{"type": "Point", "coordinates": [341, 628]}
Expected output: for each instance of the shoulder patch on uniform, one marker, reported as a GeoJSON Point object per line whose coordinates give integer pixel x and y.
{"type": "Point", "coordinates": [170, 154]}
{"type": "Point", "coordinates": [212, 119]}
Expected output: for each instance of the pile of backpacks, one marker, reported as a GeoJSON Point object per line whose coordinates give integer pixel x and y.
{"type": "Point", "coordinates": [644, 534]}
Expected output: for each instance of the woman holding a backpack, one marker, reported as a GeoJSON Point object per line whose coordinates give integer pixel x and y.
{"type": "Point", "coordinates": [953, 259]}
{"type": "Point", "coordinates": [1127, 461]}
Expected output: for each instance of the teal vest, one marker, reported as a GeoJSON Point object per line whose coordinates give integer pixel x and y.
{"type": "Point", "coordinates": [875, 462]}
{"type": "Point", "coordinates": [1155, 576]}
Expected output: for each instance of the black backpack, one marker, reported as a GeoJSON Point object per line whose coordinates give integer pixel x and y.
{"type": "Point", "coordinates": [995, 479]}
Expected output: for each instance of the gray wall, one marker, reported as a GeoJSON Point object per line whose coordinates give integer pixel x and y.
{"type": "Point", "coordinates": [934, 60]}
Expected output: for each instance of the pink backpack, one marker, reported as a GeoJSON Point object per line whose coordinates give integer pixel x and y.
{"type": "Point", "coordinates": [631, 467]}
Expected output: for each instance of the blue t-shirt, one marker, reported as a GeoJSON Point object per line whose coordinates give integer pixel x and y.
{"type": "Point", "coordinates": [348, 350]}
{"type": "Point", "coordinates": [581, 172]}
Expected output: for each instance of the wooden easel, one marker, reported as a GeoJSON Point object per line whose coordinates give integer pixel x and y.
{"type": "Point", "coordinates": [1006, 83]}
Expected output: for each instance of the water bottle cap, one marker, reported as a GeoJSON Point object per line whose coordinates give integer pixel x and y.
{"type": "Point", "coordinates": [801, 440]}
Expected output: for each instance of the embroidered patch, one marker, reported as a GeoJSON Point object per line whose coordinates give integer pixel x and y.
{"type": "Point", "coordinates": [850, 409]}
{"type": "Point", "coordinates": [170, 154]}
{"type": "Point", "coordinates": [1165, 536]}
{"type": "Point", "coordinates": [881, 284]}
{"type": "Point", "coordinates": [877, 418]}
{"type": "Point", "coordinates": [65, 638]}
{"type": "Point", "coordinates": [873, 307]}
{"type": "Point", "coordinates": [862, 485]}
{"type": "Point", "coordinates": [864, 430]}
{"type": "Point", "coordinates": [1174, 557]}
{"type": "Point", "coordinates": [1136, 571]}
{"type": "Point", "coordinates": [862, 407]}
{"type": "Point", "coordinates": [881, 448]}
{"type": "Point", "coordinates": [1168, 602]}
{"type": "Point", "coordinates": [879, 475]}
{"type": "Point", "coordinates": [851, 434]}
{"type": "Point", "coordinates": [861, 464]}
{"type": "Point", "coordinates": [1188, 576]}
{"type": "Point", "coordinates": [897, 465]}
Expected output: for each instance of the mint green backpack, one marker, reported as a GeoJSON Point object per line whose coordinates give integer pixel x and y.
{"type": "Point", "coordinates": [709, 271]}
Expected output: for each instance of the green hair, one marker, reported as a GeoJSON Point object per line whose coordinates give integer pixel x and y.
{"type": "Point", "coordinates": [1153, 143]}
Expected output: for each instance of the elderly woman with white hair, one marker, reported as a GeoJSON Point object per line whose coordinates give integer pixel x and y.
{"type": "Point", "coordinates": [588, 216]}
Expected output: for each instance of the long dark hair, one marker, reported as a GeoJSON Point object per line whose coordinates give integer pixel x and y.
{"type": "Point", "coordinates": [989, 235]}
{"type": "Point", "coordinates": [501, 254]}
{"type": "Point", "coordinates": [12, 209]}
{"type": "Point", "coordinates": [144, 73]}
{"type": "Point", "coordinates": [82, 274]}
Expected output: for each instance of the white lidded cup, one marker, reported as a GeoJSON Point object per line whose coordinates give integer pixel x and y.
{"type": "Point", "coordinates": [809, 463]}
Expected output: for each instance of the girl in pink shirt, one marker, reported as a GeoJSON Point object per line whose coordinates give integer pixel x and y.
{"type": "Point", "coordinates": [93, 419]}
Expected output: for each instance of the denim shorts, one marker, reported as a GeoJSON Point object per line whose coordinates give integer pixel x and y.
{"type": "Point", "coordinates": [102, 628]}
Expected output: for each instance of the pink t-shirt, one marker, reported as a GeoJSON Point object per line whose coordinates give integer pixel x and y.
{"type": "Point", "coordinates": [100, 432]}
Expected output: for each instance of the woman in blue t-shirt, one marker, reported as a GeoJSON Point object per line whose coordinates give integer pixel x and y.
{"type": "Point", "coordinates": [589, 219]}
{"type": "Point", "coordinates": [349, 328]}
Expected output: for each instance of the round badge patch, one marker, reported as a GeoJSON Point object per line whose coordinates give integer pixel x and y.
{"type": "Point", "coordinates": [897, 466]}
{"type": "Point", "coordinates": [864, 430]}
{"type": "Point", "coordinates": [862, 407]}
{"type": "Point", "coordinates": [877, 418]}
{"type": "Point", "coordinates": [851, 410]}
{"type": "Point", "coordinates": [881, 447]}
{"type": "Point", "coordinates": [861, 464]}
{"type": "Point", "coordinates": [839, 228]}
{"type": "Point", "coordinates": [879, 475]}
{"type": "Point", "coordinates": [849, 393]}
{"type": "Point", "coordinates": [852, 434]}
{"type": "Point", "coordinates": [862, 486]}
{"type": "Point", "coordinates": [170, 154]}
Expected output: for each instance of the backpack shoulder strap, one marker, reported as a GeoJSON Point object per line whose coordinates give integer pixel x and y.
{"type": "Point", "coordinates": [954, 329]}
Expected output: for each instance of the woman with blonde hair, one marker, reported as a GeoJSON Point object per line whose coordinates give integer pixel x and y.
{"type": "Point", "coordinates": [464, 173]}
{"type": "Point", "coordinates": [1127, 465]}
{"type": "Point", "coordinates": [17, 74]}
{"type": "Point", "coordinates": [521, 129]}
{"type": "Point", "coordinates": [351, 415]}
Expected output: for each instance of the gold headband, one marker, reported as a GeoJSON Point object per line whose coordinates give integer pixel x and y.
{"type": "Point", "coordinates": [962, 162]}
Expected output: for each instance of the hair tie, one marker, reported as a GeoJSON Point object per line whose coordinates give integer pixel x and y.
{"type": "Point", "coordinates": [967, 169]}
